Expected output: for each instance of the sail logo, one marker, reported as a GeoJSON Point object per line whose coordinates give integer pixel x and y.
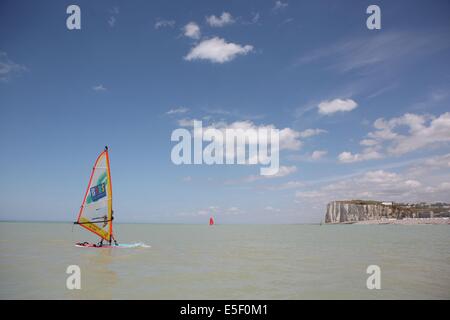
{"type": "Point", "coordinates": [98, 192]}
{"type": "Point", "coordinates": [244, 146]}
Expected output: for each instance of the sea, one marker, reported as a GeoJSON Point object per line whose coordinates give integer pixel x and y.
{"type": "Point", "coordinates": [183, 261]}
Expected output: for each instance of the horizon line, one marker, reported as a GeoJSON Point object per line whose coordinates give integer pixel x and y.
{"type": "Point", "coordinates": [179, 223]}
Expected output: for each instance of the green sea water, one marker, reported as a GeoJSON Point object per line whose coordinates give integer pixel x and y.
{"type": "Point", "coordinates": [227, 262]}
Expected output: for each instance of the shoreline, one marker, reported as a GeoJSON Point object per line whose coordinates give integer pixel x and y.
{"type": "Point", "coordinates": [406, 221]}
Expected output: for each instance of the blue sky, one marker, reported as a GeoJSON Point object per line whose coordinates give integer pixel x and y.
{"type": "Point", "coordinates": [368, 109]}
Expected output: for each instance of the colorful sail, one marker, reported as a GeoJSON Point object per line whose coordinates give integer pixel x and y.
{"type": "Point", "coordinates": [211, 221]}
{"type": "Point", "coordinates": [96, 210]}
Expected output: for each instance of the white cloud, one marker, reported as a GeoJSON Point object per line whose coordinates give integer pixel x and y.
{"type": "Point", "coordinates": [9, 68]}
{"type": "Point", "coordinates": [390, 138]}
{"type": "Point", "coordinates": [283, 171]}
{"type": "Point", "coordinates": [186, 122]}
{"type": "Point", "coordinates": [408, 186]}
{"type": "Point", "coordinates": [217, 50]}
{"type": "Point", "coordinates": [318, 154]}
{"type": "Point", "coordinates": [177, 111]}
{"type": "Point", "coordinates": [437, 96]}
{"type": "Point", "coordinates": [99, 88]}
{"type": "Point", "coordinates": [234, 113]}
{"type": "Point", "coordinates": [113, 18]}
{"type": "Point", "coordinates": [115, 10]}
{"type": "Point", "coordinates": [444, 186]}
{"type": "Point", "coordinates": [412, 183]}
{"type": "Point", "coordinates": [233, 210]}
{"type": "Point", "coordinates": [287, 20]}
{"type": "Point", "coordinates": [383, 132]}
{"type": "Point", "coordinates": [368, 142]}
{"type": "Point", "coordinates": [308, 157]}
{"type": "Point", "coordinates": [192, 30]}
{"type": "Point", "coordinates": [216, 211]}
{"type": "Point", "coordinates": [272, 209]}
{"type": "Point", "coordinates": [287, 185]}
{"type": "Point", "coordinates": [255, 17]}
{"type": "Point", "coordinates": [420, 134]}
{"type": "Point", "coordinates": [336, 105]}
{"type": "Point", "coordinates": [380, 176]}
{"type": "Point", "coordinates": [430, 165]}
{"type": "Point", "coordinates": [112, 21]}
{"type": "Point", "coordinates": [289, 138]}
{"type": "Point", "coordinates": [367, 154]}
{"type": "Point", "coordinates": [311, 132]}
{"type": "Point", "coordinates": [386, 50]}
{"type": "Point", "coordinates": [187, 179]}
{"type": "Point", "coordinates": [224, 20]}
{"type": "Point", "coordinates": [208, 211]}
{"type": "Point", "coordinates": [308, 194]}
{"type": "Point", "coordinates": [438, 161]}
{"type": "Point", "coordinates": [279, 5]}
{"type": "Point", "coordinates": [164, 23]}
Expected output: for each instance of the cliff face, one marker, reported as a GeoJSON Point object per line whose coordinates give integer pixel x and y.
{"type": "Point", "coordinates": [363, 210]}
{"type": "Point", "coordinates": [347, 211]}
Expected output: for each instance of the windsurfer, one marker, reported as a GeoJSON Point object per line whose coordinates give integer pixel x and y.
{"type": "Point", "coordinates": [111, 238]}
{"type": "Point", "coordinates": [96, 214]}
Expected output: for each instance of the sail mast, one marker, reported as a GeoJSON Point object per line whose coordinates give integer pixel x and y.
{"type": "Point", "coordinates": [110, 213]}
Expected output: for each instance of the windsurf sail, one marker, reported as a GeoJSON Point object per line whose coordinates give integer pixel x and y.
{"type": "Point", "coordinates": [96, 209]}
{"type": "Point", "coordinates": [211, 221]}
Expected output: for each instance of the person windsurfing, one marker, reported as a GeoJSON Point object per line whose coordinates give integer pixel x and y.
{"type": "Point", "coordinates": [105, 223]}
{"type": "Point", "coordinates": [98, 198]}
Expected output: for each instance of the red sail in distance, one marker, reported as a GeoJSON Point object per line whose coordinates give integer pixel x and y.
{"type": "Point", "coordinates": [211, 221]}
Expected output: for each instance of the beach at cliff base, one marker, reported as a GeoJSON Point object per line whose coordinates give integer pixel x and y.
{"type": "Point", "coordinates": [407, 221]}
